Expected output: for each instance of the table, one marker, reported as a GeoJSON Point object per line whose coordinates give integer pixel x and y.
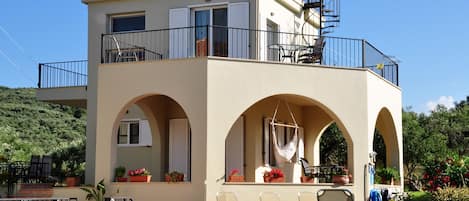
{"type": "Point", "coordinates": [287, 51]}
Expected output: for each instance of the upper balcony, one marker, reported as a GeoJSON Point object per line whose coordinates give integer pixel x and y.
{"type": "Point", "coordinates": [189, 42]}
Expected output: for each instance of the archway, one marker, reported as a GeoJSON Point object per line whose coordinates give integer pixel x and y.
{"type": "Point", "coordinates": [152, 132]}
{"type": "Point", "coordinates": [249, 144]}
{"type": "Point", "coordinates": [385, 143]}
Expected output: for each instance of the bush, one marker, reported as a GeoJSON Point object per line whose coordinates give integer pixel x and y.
{"type": "Point", "coordinates": [452, 172]}
{"type": "Point", "coordinates": [386, 174]}
{"type": "Point", "coordinates": [453, 194]}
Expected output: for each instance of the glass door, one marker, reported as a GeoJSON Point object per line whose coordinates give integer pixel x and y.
{"type": "Point", "coordinates": [202, 20]}
{"type": "Point", "coordinates": [217, 21]}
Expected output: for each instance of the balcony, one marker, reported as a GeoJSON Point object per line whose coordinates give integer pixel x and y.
{"type": "Point", "coordinates": [189, 42]}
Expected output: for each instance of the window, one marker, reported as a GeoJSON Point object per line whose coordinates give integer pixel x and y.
{"type": "Point", "coordinates": [217, 19]}
{"type": "Point", "coordinates": [131, 22]}
{"type": "Point", "coordinates": [128, 132]}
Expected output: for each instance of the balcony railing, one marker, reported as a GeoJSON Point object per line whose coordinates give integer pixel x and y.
{"type": "Point", "coordinates": [259, 45]}
{"type": "Point", "coordinates": [63, 74]}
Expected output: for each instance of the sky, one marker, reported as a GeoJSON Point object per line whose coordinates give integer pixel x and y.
{"type": "Point", "coordinates": [431, 41]}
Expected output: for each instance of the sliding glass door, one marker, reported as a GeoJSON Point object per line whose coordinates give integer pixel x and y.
{"type": "Point", "coordinates": [217, 20]}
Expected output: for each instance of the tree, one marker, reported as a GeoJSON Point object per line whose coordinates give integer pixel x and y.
{"type": "Point", "coordinates": [420, 145]}
{"type": "Point", "coordinates": [333, 147]}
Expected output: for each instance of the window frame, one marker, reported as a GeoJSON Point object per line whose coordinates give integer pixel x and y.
{"type": "Point", "coordinates": [129, 121]}
{"type": "Point", "coordinates": [111, 17]}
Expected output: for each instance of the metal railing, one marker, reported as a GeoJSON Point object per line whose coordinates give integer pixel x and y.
{"type": "Point", "coordinates": [38, 199]}
{"type": "Point", "coordinates": [63, 74]}
{"type": "Point", "coordinates": [254, 44]}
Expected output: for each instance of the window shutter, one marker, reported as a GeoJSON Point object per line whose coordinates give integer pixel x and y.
{"type": "Point", "coordinates": [145, 133]}
{"type": "Point", "coordinates": [179, 39]}
{"type": "Point", "coordinates": [238, 39]}
{"type": "Point", "coordinates": [179, 146]}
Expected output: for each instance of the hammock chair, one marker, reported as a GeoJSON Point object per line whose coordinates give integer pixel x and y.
{"type": "Point", "coordinates": [285, 152]}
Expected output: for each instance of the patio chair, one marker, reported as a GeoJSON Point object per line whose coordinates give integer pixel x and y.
{"type": "Point", "coordinates": [335, 195]}
{"type": "Point", "coordinates": [306, 196]}
{"type": "Point", "coordinates": [34, 169]}
{"type": "Point", "coordinates": [307, 169]}
{"type": "Point", "coordinates": [269, 196]}
{"type": "Point", "coordinates": [313, 54]}
{"type": "Point", "coordinates": [226, 196]}
{"type": "Point", "coordinates": [46, 167]}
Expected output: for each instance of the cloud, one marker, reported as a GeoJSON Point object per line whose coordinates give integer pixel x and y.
{"type": "Point", "coordinates": [447, 101]}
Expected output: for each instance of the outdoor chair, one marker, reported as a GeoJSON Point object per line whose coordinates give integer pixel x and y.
{"type": "Point", "coordinates": [269, 196]}
{"type": "Point", "coordinates": [46, 167]}
{"type": "Point", "coordinates": [335, 195]}
{"type": "Point", "coordinates": [313, 54]}
{"type": "Point", "coordinates": [306, 196]}
{"type": "Point", "coordinates": [226, 196]}
{"type": "Point", "coordinates": [34, 169]}
{"type": "Point", "coordinates": [307, 169]}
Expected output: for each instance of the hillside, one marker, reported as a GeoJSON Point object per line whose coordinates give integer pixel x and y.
{"type": "Point", "coordinates": [31, 126]}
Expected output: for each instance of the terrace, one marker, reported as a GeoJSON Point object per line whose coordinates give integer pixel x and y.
{"type": "Point", "coordinates": [236, 43]}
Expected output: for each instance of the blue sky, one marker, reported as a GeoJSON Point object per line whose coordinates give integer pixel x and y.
{"type": "Point", "coordinates": [430, 39]}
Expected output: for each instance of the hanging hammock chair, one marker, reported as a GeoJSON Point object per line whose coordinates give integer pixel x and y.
{"type": "Point", "coordinates": [284, 153]}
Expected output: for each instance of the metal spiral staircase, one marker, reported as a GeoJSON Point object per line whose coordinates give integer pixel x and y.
{"type": "Point", "coordinates": [329, 12]}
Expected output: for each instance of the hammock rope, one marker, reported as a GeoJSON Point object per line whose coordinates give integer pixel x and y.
{"type": "Point", "coordinates": [286, 152]}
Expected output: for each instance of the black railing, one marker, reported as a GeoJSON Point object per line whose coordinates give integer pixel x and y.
{"type": "Point", "coordinates": [63, 74]}
{"type": "Point", "coordinates": [260, 45]}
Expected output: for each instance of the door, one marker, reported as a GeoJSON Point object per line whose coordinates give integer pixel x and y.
{"type": "Point", "coordinates": [234, 148]}
{"type": "Point", "coordinates": [273, 53]}
{"type": "Point", "coordinates": [179, 147]}
{"type": "Point", "coordinates": [211, 23]}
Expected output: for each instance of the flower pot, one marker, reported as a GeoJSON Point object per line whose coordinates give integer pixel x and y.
{"type": "Point", "coordinates": [146, 178]}
{"type": "Point", "coordinates": [121, 179]}
{"type": "Point", "coordinates": [305, 179]}
{"type": "Point", "coordinates": [236, 178]}
{"type": "Point", "coordinates": [274, 180]}
{"type": "Point", "coordinates": [72, 181]}
{"type": "Point", "coordinates": [340, 179]}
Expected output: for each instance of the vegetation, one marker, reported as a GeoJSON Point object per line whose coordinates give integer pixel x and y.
{"type": "Point", "coordinates": [419, 196]}
{"type": "Point", "coordinates": [95, 193]}
{"type": "Point", "coordinates": [29, 126]}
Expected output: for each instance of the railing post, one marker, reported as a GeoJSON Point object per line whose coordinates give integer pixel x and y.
{"type": "Point", "coordinates": [397, 74]}
{"type": "Point", "coordinates": [102, 44]}
{"type": "Point", "coordinates": [363, 53]}
{"type": "Point", "coordinates": [207, 43]}
{"type": "Point", "coordinates": [39, 76]}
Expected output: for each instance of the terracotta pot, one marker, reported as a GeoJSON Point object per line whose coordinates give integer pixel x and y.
{"type": "Point", "coordinates": [305, 179]}
{"type": "Point", "coordinates": [179, 178]}
{"type": "Point", "coordinates": [340, 179]}
{"type": "Point", "coordinates": [72, 181]}
{"type": "Point", "coordinates": [236, 178]}
{"type": "Point", "coordinates": [274, 180]}
{"type": "Point", "coordinates": [121, 179]}
{"type": "Point", "coordinates": [146, 178]}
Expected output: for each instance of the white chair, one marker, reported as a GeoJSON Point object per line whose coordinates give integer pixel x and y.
{"type": "Point", "coordinates": [269, 196]}
{"type": "Point", "coordinates": [306, 196]}
{"type": "Point", "coordinates": [226, 196]}
{"type": "Point", "coordinates": [335, 195]}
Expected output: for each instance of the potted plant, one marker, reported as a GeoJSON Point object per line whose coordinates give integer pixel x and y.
{"type": "Point", "coordinates": [139, 175]}
{"type": "Point", "coordinates": [174, 176]}
{"type": "Point", "coordinates": [73, 173]}
{"type": "Point", "coordinates": [119, 174]}
{"type": "Point", "coordinates": [95, 193]}
{"type": "Point", "coordinates": [275, 175]}
{"type": "Point", "coordinates": [340, 176]}
{"type": "Point", "coordinates": [307, 179]}
{"type": "Point", "coordinates": [235, 176]}
{"type": "Point", "coordinates": [388, 175]}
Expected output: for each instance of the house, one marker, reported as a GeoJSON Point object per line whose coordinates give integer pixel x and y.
{"type": "Point", "coordinates": [206, 79]}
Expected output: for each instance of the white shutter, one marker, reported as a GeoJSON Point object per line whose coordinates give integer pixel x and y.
{"type": "Point", "coordinates": [300, 153]}
{"type": "Point", "coordinates": [179, 39]}
{"type": "Point", "coordinates": [179, 144]}
{"type": "Point", "coordinates": [235, 147]}
{"type": "Point", "coordinates": [145, 137]}
{"type": "Point", "coordinates": [238, 39]}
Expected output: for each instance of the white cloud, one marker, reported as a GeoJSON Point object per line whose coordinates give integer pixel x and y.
{"type": "Point", "coordinates": [447, 101]}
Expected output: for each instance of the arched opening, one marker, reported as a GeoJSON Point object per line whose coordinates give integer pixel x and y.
{"type": "Point", "coordinates": [333, 147]}
{"type": "Point", "coordinates": [386, 147]}
{"type": "Point", "coordinates": [250, 148]}
{"type": "Point", "coordinates": [152, 132]}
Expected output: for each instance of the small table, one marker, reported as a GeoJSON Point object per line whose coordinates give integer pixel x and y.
{"type": "Point", "coordinates": [287, 51]}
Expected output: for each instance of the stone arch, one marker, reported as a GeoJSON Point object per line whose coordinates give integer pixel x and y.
{"type": "Point", "coordinates": [387, 128]}
{"type": "Point", "coordinates": [160, 111]}
{"type": "Point", "coordinates": [313, 116]}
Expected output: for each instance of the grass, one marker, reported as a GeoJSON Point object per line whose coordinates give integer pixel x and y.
{"type": "Point", "coordinates": [420, 196]}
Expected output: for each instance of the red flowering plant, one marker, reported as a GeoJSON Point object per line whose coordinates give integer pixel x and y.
{"type": "Point", "coordinates": [234, 172]}
{"type": "Point", "coordinates": [452, 172]}
{"type": "Point", "coordinates": [274, 173]}
{"type": "Point", "coordinates": [139, 172]}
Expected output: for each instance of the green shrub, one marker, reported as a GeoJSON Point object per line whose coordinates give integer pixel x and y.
{"type": "Point", "coordinates": [451, 194]}
{"type": "Point", "coordinates": [386, 174]}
